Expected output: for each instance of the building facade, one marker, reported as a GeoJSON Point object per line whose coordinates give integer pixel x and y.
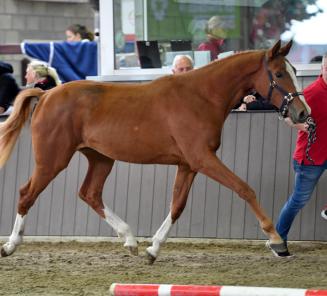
{"type": "Point", "coordinates": [34, 20]}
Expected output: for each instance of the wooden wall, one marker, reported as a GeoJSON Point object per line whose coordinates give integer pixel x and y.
{"type": "Point", "coordinates": [256, 146]}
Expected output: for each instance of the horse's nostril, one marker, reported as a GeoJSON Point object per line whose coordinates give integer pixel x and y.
{"type": "Point", "coordinates": [302, 116]}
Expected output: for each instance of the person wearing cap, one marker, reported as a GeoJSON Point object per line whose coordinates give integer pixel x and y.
{"type": "Point", "coordinates": [216, 35]}
{"type": "Point", "coordinates": [8, 87]}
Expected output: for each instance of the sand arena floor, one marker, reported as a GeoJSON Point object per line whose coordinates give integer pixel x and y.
{"type": "Point", "coordinates": [89, 268]}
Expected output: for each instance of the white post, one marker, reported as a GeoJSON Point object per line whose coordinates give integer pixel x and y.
{"type": "Point", "coordinates": [107, 40]}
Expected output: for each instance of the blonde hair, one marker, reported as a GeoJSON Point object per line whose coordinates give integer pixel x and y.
{"type": "Point", "coordinates": [42, 69]}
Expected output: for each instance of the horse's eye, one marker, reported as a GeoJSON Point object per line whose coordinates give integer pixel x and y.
{"type": "Point", "coordinates": [278, 74]}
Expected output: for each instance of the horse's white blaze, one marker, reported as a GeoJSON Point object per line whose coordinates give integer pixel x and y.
{"type": "Point", "coordinates": [160, 236]}
{"type": "Point", "coordinates": [290, 71]}
{"type": "Point", "coordinates": [122, 228]}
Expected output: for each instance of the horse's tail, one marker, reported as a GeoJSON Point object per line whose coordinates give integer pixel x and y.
{"type": "Point", "coordinates": [10, 129]}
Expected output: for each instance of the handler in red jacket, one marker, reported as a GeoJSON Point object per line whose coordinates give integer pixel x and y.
{"type": "Point", "coordinates": [307, 173]}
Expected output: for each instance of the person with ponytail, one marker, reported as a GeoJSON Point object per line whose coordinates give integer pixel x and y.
{"type": "Point", "coordinates": [39, 74]}
{"type": "Point", "coordinates": [77, 32]}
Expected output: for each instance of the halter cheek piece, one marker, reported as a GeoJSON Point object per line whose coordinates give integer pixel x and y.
{"type": "Point", "coordinates": [283, 110]}
{"type": "Point", "coordinates": [288, 97]}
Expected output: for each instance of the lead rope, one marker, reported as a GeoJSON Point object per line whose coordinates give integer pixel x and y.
{"type": "Point", "coordinates": [312, 136]}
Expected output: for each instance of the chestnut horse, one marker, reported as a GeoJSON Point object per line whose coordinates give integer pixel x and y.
{"type": "Point", "coordinates": [176, 119]}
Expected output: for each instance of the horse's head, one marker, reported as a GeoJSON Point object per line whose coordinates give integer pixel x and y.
{"type": "Point", "coordinates": [278, 84]}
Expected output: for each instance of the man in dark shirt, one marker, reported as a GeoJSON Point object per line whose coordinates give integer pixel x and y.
{"type": "Point", "coordinates": [8, 86]}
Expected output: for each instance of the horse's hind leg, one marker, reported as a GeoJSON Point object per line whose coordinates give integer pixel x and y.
{"type": "Point", "coordinates": [41, 177]}
{"type": "Point", "coordinates": [91, 192]}
{"type": "Point", "coordinates": [183, 182]}
{"type": "Point", "coordinates": [52, 152]}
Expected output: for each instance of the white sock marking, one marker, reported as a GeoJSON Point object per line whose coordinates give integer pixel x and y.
{"type": "Point", "coordinates": [16, 236]}
{"type": "Point", "coordinates": [121, 227]}
{"type": "Point", "coordinates": [160, 236]}
{"type": "Point", "coordinates": [18, 230]}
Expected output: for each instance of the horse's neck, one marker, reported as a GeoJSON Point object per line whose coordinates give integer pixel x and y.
{"type": "Point", "coordinates": [227, 80]}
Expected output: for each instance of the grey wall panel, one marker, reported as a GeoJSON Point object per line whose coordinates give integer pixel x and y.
{"type": "Point", "coordinates": [109, 193]}
{"type": "Point", "coordinates": [240, 169]}
{"type": "Point", "coordinates": [228, 147]}
{"type": "Point", "coordinates": [159, 198]}
{"type": "Point", "coordinates": [320, 227]}
{"type": "Point", "coordinates": [81, 208]}
{"type": "Point", "coordinates": [9, 190]}
{"type": "Point", "coordinates": [70, 199]}
{"type": "Point", "coordinates": [268, 165]}
{"type": "Point", "coordinates": [283, 166]}
{"type": "Point", "coordinates": [254, 170]}
{"type": "Point", "coordinates": [145, 209]}
{"type": "Point", "coordinates": [134, 195]}
{"type": "Point", "coordinates": [256, 146]}
{"type": "Point", "coordinates": [57, 205]}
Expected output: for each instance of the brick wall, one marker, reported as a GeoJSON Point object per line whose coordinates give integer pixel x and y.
{"type": "Point", "coordinates": [39, 20]}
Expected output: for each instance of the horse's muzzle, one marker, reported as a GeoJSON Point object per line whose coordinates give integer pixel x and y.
{"type": "Point", "coordinates": [302, 116]}
{"type": "Point", "coordinates": [298, 115]}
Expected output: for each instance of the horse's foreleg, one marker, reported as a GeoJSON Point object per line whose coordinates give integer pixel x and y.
{"type": "Point", "coordinates": [211, 166]}
{"type": "Point", "coordinates": [91, 192]}
{"type": "Point", "coordinates": [183, 181]}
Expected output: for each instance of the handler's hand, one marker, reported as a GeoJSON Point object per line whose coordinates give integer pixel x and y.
{"type": "Point", "coordinates": [242, 107]}
{"type": "Point", "coordinates": [248, 99]}
{"type": "Point", "coordinates": [299, 126]}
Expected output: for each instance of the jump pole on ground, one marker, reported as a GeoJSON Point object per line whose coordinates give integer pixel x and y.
{"type": "Point", "coordinates": [117, 289]}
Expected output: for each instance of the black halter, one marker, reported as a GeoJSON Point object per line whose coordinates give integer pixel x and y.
{"type": "Point", "coordinates": [283, 110]}
{"type": "Point", "coordinates": [288, 97]}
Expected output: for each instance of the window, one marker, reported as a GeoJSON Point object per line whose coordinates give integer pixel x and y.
{"type": "Point", "coordinates": [215, 26]}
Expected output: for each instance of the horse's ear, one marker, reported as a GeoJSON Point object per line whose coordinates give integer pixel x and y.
{"type": "Point", "coordinates": [272, 52]}
{"type": "Point", "coordinates": [285, 49]}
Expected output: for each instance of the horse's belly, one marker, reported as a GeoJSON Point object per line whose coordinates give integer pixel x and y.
{"type": "Point", "coordinates": [155, 149]}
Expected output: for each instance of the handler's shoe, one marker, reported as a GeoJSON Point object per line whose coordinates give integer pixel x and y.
{"type": "Point", "coordinates": [279, 250]}
{"type": "Point", "coordinates": [324, 212]}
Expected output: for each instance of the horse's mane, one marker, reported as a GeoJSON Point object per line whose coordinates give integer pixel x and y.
{"type": "Point", "coordinates": [233, 57]}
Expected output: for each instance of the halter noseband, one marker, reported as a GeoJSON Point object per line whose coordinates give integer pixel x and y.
{"type": "Point", "coordinates": [288, 97]}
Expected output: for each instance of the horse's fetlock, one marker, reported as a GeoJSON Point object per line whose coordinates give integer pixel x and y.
{"type": "Point", "coordinates": [16, 240]}
{"type": "Point", "coordinates": [124, 231]}
{"type": "Point", "coordinates": [267, 226]}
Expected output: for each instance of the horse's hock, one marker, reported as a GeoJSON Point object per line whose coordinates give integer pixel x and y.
{"type": "Point", "coordinates": [256, 146]}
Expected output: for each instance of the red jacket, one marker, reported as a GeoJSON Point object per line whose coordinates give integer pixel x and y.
{"type": "Point", "coordinates": [316, 97]}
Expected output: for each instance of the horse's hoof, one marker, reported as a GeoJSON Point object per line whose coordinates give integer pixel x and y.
{"type": "Point", "coordinates": [150, 257]}
{"type": "Point", "coordinates": [133, 250]}
{"type": "Point", "coordinates": [279, 250]}
{"type": "Point", "coordinates": [4, 253]}
{"type": "Point", "coordinates": [7, 249]}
